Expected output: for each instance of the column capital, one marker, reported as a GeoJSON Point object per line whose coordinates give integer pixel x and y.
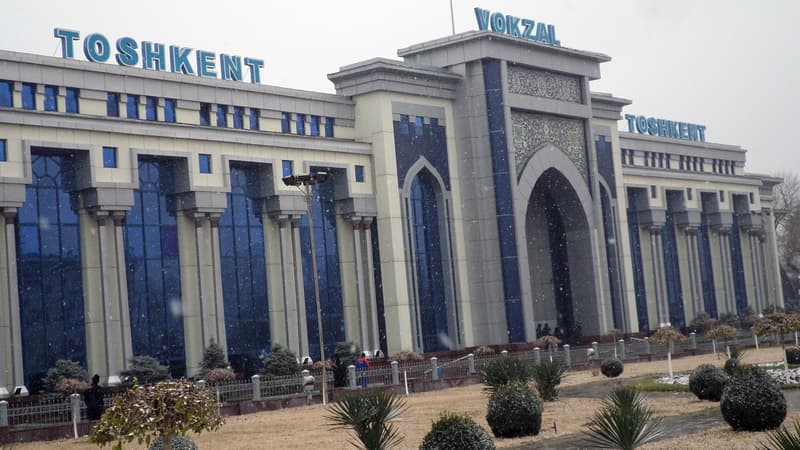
{"type": "Point", "coordinates": [9, 214]}
{"type": "Point", "coordinates": [690, 230]}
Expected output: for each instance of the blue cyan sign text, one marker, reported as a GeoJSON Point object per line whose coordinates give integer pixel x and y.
{"type": "Point", "coordinates": [516, 26]}
{"type": "Point", "coordinates": [666, 128]}
{"type": "Point", "coordinates": [157, 56]}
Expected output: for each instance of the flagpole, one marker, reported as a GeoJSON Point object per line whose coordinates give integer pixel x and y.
{"type": "Point", "coordinates": [452, 18]}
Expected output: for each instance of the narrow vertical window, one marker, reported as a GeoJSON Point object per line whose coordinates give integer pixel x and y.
{"type": "Point", "coordinates": [6, 93]}
{"type": "Point", "coordinates": [314, 124]}
{"type": "Point", "coordinates": [112, 104]}
{"type": "Point", "coordinates": [28, 96]}
{"type": "Point", "coordinates": [329, 127]}
{"type": "Point", "coordinates": [653, 191]}
{"type": "Point", "coordinates": [702, 164]}
{"type": "Point", "coordinates": [688, 193]}
{"type": "Point", "coordinates": [646, 159]}
{"type": "Point", "coordinates": [359, 174]}
{"type": "Point", "coordinates": [733, 167]}
{"type": "Point", "coordinates": [668, 157]}
{"type": "Point", "coordinates": [110, 157]}
{"type": "Point", "coordinates": [132, 106]}
{"type": "Point", "coordinates": [404, 124]}
{"type": "Point", "coordinates": [169, 110]}
{"type": "Point", "coordinates": [630, 157]}
{"type": "Point", "coordinates": [681, 162]}
{"type": "Point", "coordinates": [4, 155]}
{"type": "Point", "coordinates": [205, 114]}
{"type": "Point", "coordinates": [72, 100]}
{"type": "Point", "coordinates": [254, 113]}
{"type": "Point", "coordinates": [51, 98]}
{"type": "Point", "coordinates": [623, 156]}
{"type": "Point", "coordinates": [722, 196]}
{"type": "Point", "coordinates": [151, 108]}
{"type": "Point", "coordinates": [752, 198]}
{"type": "Point", "coordinates": [419, 125]}
{"type": "Point", "coordinates": [301, 124]}
{"type": "Point", "coordinates": [286, 122]}
{"type": "Point", "coordinates": [660, 160]}
{"type": "Point", "coordinates": [222, 116]}
{"type": "Point", "coordinates": [287, 167]}
{"type": "Point", "coordinates": [238, 117]}
{"type": "Point", "coordinates": [205, 163]}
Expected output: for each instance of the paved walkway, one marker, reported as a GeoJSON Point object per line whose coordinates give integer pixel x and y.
{"type": "Point", "coordinates": [674, 426]}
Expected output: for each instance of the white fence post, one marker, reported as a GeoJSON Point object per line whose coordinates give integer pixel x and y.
{"type": "Point", "coordinates": [434, 368]}
{"type": "Point", "coordinates": [3, 413]}
{"type": "Point", "coordinates": [537, 355]}
{"type": "Point", "coordinates": [621, 351]}
{"type": "Point", "coordinates": [351, 376]}
{"type": "Point", "coordinates": [75, 401]}
{"type": "Point", "coordinates": [693, 340]}
{"type": "Point", "coordinates": [470, 364]}
{"type": "Point", "coordinates": [256, 379]}
{"type": "Point", "coordinates": [395, 373]}
{"type": "Point", "coordinates": [567, 356]}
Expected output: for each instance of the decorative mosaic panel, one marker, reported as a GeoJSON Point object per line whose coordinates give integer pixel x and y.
{"type": "Point", "coordinates": [532, 131]}
{"type": "Point", "coordinates": [540, 83]}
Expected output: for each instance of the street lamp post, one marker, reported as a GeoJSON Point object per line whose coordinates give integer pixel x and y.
{"type": "Point", "coordinates": [307, 181]}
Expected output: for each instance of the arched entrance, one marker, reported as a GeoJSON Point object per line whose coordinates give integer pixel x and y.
{"type": "Point", "coordinates": [560, 257]}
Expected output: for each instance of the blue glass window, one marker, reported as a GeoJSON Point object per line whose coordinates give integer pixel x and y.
{"type": "Point", "coordinates": [244, 281]}
{"type": "Point", "coordinates": [205, 163]}
{"type": "Point", "coordinates": [151, 108]}
{"type": "Point", "coordinates": [110, 157]}
{"type": "Point", "coordinates": [630, 157]}
{"type": "Point", "coordinates": [254, 113]}
{"type": "Point", "coordinates": [314, 124]}
{"type": "Point", "coordinates": [153, 267]}
{"type": "Point", "coordinates": [205, 114]}
{"type": "Point", "coordinates": [49, 268]}
{"type": "Point", "coordinates": [623, 156]}
{"type": "Point", "coordinates": [4, 156]}
{"type": "Point", "coordinates": [688, 193]}
{"type": "Point", "coordinates": [238, 117]}
{"type": "Point", "coordinates": [112, 104]}
{"type": "Point", "coordinates": [329, 126]}
{"type": "Point", "coordinates": [28, 96]}
{"type": "Point", "coordinates": [359, 174]}
{"type": "Point", "coordinates": [404, 125]}
{"type": "Point", "coordinates": [646, 159]}
{"type": "Point", "coordinates": [132, 106]}
{"type": "Point", "coordinates": [328, 272]}
{"type": "Point", "coordinates": [419, 125]}
{"type": "Point", "coordinates": [6, 93]}
{"type": "Point", "coordinates": [287, 167]}
{"type": "Point", "coordinates": [300, 124]}
{"type": "Point", "coordinates": [425, 211]}
{"type": "Point", "coordinates": [51, 98]}
{"type": "Point", "coordinates": [72, 100]}
{"type": "Point", "coordinates": [169, 109]}
{"type": "Point", "coordinates": [222, 116]}
{"type": "Point", "coordinates": [286, 122]}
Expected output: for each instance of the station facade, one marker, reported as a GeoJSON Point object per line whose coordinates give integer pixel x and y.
{"type": "Point", "coordinates": [478, 189]}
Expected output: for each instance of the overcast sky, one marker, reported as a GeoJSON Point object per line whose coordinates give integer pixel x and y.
{"type": "Point", "coordinates": [729, 65]}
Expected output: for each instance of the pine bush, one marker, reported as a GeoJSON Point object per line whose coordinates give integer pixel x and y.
{"type": "Point", "coordinates": [145, 370]}
{"type": "Point", "coordinates": [514, 410]}
{"type": "Point", "coordinates": [753, 401]}
{"type": "Point", "coordinates": [63, 370]}
{"type": "Point", "coordinates": [213, 358]}
{"type": "Point", "coordinates": [612, 367]}
{"type": "Point", "coordinates": [456, 431]}
{"type": "Point", "coordinates": [707, 382]}
{"type": "Point", "coordinates": [281, 363]}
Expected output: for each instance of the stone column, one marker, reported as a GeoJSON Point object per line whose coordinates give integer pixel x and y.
{"type": "Point", "coordinates": [658, 275]}
{"type": "Point", "coordinates": [695, 278]}
{"type": "Point", "coordinates": [727, 270]}
{"type": "Point", "coordinates": [11, 369]}
{"type": "Point", "coordinates": [373, 298]}
{"type": "Point", "coordinates": [273, 252]}
{"type": "Point", "coordinates": [752, 238]}
{"type": "Point", "coordinates": [764, 269]}
{"type": "Point", "coordinates": [216, 266]}
{"type": "Point", "coordinates": [302, 318]}
{"type": "Point", "coordinates": [289, 284]}
{"type": "Point", "coordinates": [363, 312]}
{"type": "Point", "coordinates": [122, 291]}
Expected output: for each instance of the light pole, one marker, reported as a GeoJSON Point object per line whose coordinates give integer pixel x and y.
{"type": "Point", "coordinates": [307, 181]}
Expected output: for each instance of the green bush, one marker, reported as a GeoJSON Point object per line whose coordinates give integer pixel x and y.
{"type": "Point", "coordinates": [612, 367]}
{"type": "Point", "coordinates": [281, 363]}
{"type": "Point", "coordinates": [701, 323]}
{"type": "Point", "coordinates": [547, 375]}
{"type": "Point", "coordinates": [707, 382]}
{"type": "Point", "coordinates": [504, 370]}
{"type": "Point", "coordinates": [793, 355]}
{"type": "Point", "coordinates": [730, 319]}
{"type": "Point", "coordinates": [456, 431]}
{"type": "Point", "coordinates": [623, 421]}
{"type": "Point", "coordinates": [213, 358]}
{"type": "Point", "coordinates": [63, 370]}
{"type": "Point", "coordinates": [219, 376]}
{"type": "Point", "coordinates": [178, 443]}
{"type": "Point", "coordinates": [753, 401]}
{"type": "Point", "coordinates": [514, 410]}
{"type": "Point", "coordinates": [145, 370]}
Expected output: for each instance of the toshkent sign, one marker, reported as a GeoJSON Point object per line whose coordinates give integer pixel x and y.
{"type": "Point", "coordinates": [666, 128]}
{"type": "Point", "coordinates": [157, 56]}
{"type": "Point", "coordinates": [516, 26]}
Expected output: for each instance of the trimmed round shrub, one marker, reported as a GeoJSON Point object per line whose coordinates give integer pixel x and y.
{"type": "Point", "coordinates": [514, 410]}
{"type": "Point", "coordinates": [459, 431]}
{"type": "Point", "coordinates": [753, 401]}
{"type": "Point", "coordinates": [707, 382]}
{"type": "Point", "coordinates": [612, 367]}
{"type": "Point", "coordinates": [793, 355]}
{"type": "Point", "coordinates": [178, 443]}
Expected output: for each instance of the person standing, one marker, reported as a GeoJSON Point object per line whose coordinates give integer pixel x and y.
{"type": "Point", "coordinates": [362, 365]}
{"type": "Point", "coordinates": [93, 397]}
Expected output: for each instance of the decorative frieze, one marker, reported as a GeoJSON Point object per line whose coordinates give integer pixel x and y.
{"type": "Point", "coordinates": [532, 131]}
{"type": "Point", "coordinates": [540, 83]}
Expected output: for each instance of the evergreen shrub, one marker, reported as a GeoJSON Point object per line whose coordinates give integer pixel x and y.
{"type": "Point", "coordinates": [793, 355]}
{"type": "Point", "coordinates": [63, 370]}
{"type": "Point", "coordinates": [503, 370]}
{"type": "Point", "coordinates": [514, 410]}
{"type": "Point", "coordinates": [753, 401]}
{"type": "Point", "coordinates": [612, 367]}
{"type": "Point", "coordinates": [145, 370]}
{"type": "Point", "coordinates": [707, 382]}
{"type": "Point", "coordinates": [456, 431]}
{"type": "Point", "coordinates": [178, 443]}
{"type": "Point", "coordinates": [282, 362]}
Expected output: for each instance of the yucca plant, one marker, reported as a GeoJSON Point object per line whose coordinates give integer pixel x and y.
{"type": "Point", "coordinates": [548, 375]}
{"type": "Point", "coordinates": [783, 439]}
{"type": "Point", "coordinates": [504, 370]}
{"type": "Point", "coordinates": [624, 421]}
{"type": "Point", "coordinates": [369, 415]}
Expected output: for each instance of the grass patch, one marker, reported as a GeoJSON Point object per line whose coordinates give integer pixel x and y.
{"type": "Point", "coordinates": [651, 385]}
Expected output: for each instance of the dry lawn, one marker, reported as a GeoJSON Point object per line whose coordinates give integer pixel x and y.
{"type": "Point", "coordinates": [300, 428]}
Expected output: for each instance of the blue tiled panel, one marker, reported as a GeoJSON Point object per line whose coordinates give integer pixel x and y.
{"type": "Point", "coordinates": [706, 267]}
{"type": "Point", "coordinates": [505, 211]}
{"type": "Point", "coordinates": [329, 274]}
{"type": "Point", "coordinates": [244, 281]}
{"type": "Point", "coordinates": [151, 256]}
{"type": "Point", "coordinates": [739, 286]}
{"type": "Point", "coordinates": [636, 262]}
{"type": "Point", "coordinates": [49, 269]}
{"type": "Point", "coordinates": [430, 143]}
{"type": "Point", "coordinates": [376, 271]}
{"type": "Point", "coordinates": [611, 256]}
{"type": "Point", "coordinates": [425, 212]}
{"type": "Point", "coordinates": [672, 272]}
{"type": "Point", "coordinates": [605, 163]}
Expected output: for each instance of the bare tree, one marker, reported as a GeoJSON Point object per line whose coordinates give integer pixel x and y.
{"type": "Point", "coordinates": [787, 224]}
